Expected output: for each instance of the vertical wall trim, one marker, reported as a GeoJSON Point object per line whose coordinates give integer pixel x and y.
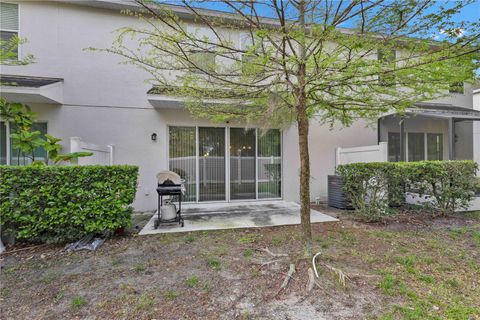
{"type": "Point", "coordinates": [7, 141]}
{"type": "Point", "coordinates": [451, 139]}
{"type": "Point", "coordinates": [402, 140]}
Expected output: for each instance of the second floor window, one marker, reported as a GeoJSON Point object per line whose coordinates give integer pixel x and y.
{"type": "Point", "coordinates": [386, 56]}
{"type": "Point", "coordinates": [203, 60]}
{"type": "Point", "coordinates": [9, 28]}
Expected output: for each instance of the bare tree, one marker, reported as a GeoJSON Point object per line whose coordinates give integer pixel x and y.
{"type": "Point", "coordinates": [337, 60]}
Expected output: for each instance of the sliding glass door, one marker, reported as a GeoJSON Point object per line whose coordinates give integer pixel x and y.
{"type": "Point", "coordinates": [200, 156]}
{"type": "Point", "coordinates": [183, 158]}
{"type": "Point", "coordinates": [211, 164]}
{"type": "Point", "coordinates": [269, 164]}
{"type": "Point", "coordinates": [242, 164]}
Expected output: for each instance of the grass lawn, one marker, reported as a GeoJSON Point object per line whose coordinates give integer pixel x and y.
{"type": "Point", "coordinates": [414, 269]}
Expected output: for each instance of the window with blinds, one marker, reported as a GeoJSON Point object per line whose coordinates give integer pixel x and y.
{"type": "Point", "coordinates": [9, 28]}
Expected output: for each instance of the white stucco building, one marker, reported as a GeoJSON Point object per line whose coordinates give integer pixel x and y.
{"type": "Point", "coordinates": [91, 96]}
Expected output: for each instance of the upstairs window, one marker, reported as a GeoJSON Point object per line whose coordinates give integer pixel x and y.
{"type": "Point", "coordinates": [386, 57]}
{"type": "Point", "coordinates": [9, 28]}
{"type": "Point", "coordinates": [203, 60]}
{"type": "Point", "coordinates": [457, 87]}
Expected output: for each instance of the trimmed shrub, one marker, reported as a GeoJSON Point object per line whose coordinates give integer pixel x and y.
{"type": "Point", "coordinates": [58, 204]}
{"type": "Point", "coordinates": [446, 185]}
{"type": "Point", "coordinates": [373, 187]}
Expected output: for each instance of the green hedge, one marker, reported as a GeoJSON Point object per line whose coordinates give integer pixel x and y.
{"type": "Point", "coordinates": [58, 204]}
{"type": "Point", "coordinates": [373, 188]}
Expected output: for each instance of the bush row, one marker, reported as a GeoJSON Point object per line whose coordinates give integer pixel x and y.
{"type": "Point", "coordinates": [373, 188]}
{"type": "Point", "coordinates": [58, 204]}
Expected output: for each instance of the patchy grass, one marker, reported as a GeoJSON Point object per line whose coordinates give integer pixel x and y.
{"type": "Point", "coordinates": [214, 263]}
{"type": "Point", "coordinates": [170, 294]}
{"type": "Point", "coordinates": [427, 270]}
{"type": "Point", "coordinates": [247, 253]}
{"type": "Point", "coordinates": [78, 302]}
{"type": "Point", "coordinates": [192, 281]}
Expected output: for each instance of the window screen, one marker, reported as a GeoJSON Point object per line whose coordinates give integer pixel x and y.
{"type": "Point", "coordinates": [8, 28]}
{"type": "Point", "coordinates": [435, 146]}
{"type": "Point", "coordinates": [416, 146]}
{"type": "Point", "coordinates": [394, 146]}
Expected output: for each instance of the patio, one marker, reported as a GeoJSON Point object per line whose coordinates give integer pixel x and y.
{"type": "Point", "coordinates": [217, 216]}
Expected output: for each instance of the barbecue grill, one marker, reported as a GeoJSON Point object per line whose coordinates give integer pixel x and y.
{"type": "Point", "coordinates": [171, 187]}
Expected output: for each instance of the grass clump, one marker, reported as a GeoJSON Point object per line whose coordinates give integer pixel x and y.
{"type": "Point", "coordinates": [78, 302]}
{"type": "Point", "coordinates": [214, 263]}
{"type": "Point", "coordinates": [247, 253]}
{"type": "Point", "coordinates": [189, 238]}
{"type": "Point", "coordinates": [139, 267]}
{"type": "Point", "coordinates": [170, 294]}
{"type": "Point", "coordinates": [192, 281]}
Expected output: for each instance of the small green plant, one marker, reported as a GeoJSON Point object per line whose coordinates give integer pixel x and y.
{"type": "Point", "coordinates": [170, 294]}
{"type": "Point", "coordinates": [476, 237]}
{"type": "Point", "coordinates": [390, 285]}
{"type": "Point", "coordinates": [192, 281]}
{"type": "Point", "coordinates": [247, 253]}
{"type": "Point", "coordinates": [247, 239]}
{"type": "Point", "coordinates": [214, 263]}
{"type": "Point", "coordinates": [452, 282]}
{"type": "Point", "coordinates": [206, 286]}
{"type": "Point", "coordinates": [116, 262]}
{"type": "Point", "coordinates": [276, 241]}
{"type": "Point", "coordinates": [144, 301]}
{"type": "Point", "coordinates": [139, 267]}
{"type": "Point", "coordinates": [78, 302]}
{"type": "Point", "coordinates": [189, 238]}
{"type": "Point", "coordinates": [348, 237]}
{"type": "Point", "coordinates": [426, 278]}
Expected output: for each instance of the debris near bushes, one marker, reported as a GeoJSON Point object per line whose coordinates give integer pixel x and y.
{"type": "Point", "coordinates": [89, 242]}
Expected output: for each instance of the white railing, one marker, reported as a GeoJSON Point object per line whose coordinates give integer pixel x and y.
{"type": "Point", "coordinates": [376, 153]}
{"type": "Point", "coordinates": [101, 154]}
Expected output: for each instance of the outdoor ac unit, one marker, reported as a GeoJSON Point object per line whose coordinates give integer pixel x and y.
{"type": "Point", "coordinates": [336, 197]}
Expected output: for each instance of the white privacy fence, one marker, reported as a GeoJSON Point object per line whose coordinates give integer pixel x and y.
{"type": "Point", "coordinates": [101, 154]}
{"type": "Point", "coordinates": [242, 169]}
{"type": "Point", "coordinates": [376, 153]}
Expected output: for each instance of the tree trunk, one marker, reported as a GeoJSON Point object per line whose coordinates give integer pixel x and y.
{"type": "Point", "coordinates": [303, 126]}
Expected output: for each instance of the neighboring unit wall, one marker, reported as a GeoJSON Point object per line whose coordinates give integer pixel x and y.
{"type": "Point", "coordinates": [374, 153]}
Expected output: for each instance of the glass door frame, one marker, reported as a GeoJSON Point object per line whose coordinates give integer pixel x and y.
{"type": "Point", "coordinates": [227, 163]}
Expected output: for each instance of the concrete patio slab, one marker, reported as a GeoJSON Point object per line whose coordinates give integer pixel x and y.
{"type": "Point", "coordinates": [234, 215]}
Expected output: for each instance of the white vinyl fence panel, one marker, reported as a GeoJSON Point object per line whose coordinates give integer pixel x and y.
{"type": "Point", "coordinates": [102, 155]}
{"type": "Point", "coordinates": [376, 153]}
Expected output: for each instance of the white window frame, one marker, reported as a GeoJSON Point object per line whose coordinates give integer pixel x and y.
{"type": "Point", "coordinates": [425, 143]}
{"type": "Point", "coordinates": [19, 34]}
{"type": "Point", "coordinates": [227, 164]}
{"type": "Point", "coordinates": [7, 139]}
